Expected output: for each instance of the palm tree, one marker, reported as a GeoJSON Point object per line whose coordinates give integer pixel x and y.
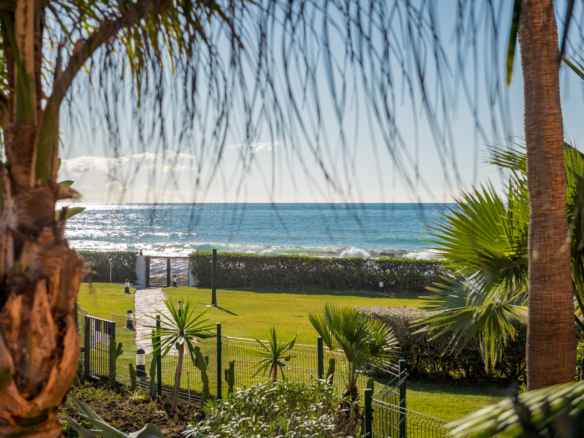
{"type": "Point", "coordinates": [273, 354]}
{"type": "Point", "coordinates": [363, 341]}
{"type": "Point", "coordinates": [177, 331]}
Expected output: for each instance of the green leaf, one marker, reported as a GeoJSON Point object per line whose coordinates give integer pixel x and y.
{"type": "Point", "coordinates": [513, 39]}
{"type": "Point", "coordinates": [148, 431]}
{"type": "Point", "coordinates": [66, 183]}
{"type": "Point", "coordinates": [70, 212]}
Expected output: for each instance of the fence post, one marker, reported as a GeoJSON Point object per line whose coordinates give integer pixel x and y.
{"type": "Point", "coordinates": [87, 358]}
{"type": "Point", "coordinates": [158, 359]}
{"type": "Point", "coordinates": [320, 358]}
{"type": "Point", "coordinates": [402, 399]}
{"type": "Point", "coordinates": [219, 364]}
{"type": "Point", "coordinates": [214, 280]}
{"type": "Point", "coordinates": [368, 415]}
{"type": "Point", "coordinates": [168, 272]}
{"type": "Point", "coordinates": [112, 360]}
{"type": "Point", "coordinates": [147, 263]}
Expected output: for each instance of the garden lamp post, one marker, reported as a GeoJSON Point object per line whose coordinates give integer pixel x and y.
{"type": "Point", "coordinates": [381, 286]}
{"type": "Point", "coordinates": [179, 307]}
{"type": "Point", "coordinates": [141, 363]}
{"type": "Point", "coordinates": [130, 320]}
{"type": "Point", "coordinates": [174, 280]}
{"type": "Point", "coordinates": [127, 289]}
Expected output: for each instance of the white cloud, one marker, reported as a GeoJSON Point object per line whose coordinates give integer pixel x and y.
{"type": "Point", "coordinates": [254, 148]}
{"type": "Point", "coordinates": [168, 167]}
{"type": "Point", "coordinates": [86, 164]}
{"type": "Point", "coordinates": [168, 155]}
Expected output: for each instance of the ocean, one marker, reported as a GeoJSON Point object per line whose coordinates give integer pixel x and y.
{"type": "Point", "coordinates": [324, 230]}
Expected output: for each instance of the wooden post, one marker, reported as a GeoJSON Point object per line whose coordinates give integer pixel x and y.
{"type": "Point", "coordinates": [320, 351]}
{"type": "Point", "coordinates": [168, 272]}
{"type": "Point", "coordinates": [402, 399]}
{"type": "Point", "coordinates": [147, 261]}
{"type": "Point", "coordinates": [368, 415]}
{"type": "Point", "coordinates": [214, 280]}
{"type": "Point", "coordinates": [219, 364]}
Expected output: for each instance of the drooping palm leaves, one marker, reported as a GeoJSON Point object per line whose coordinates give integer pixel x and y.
{"type": "Point", "coordinates": [273, 354]}
{"type": "Point", "coordinates": [178, 330]}
{"type": "Point", "coordinates": [363, 341]}
{"type": "Point", "coordinates": [483, 240]}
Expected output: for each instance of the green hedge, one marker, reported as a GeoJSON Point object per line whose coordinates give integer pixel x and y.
{"type": "Point", "coordinates": [123, 266]}
{"type": "Point", "coordinates": [249, 270]}
{"type": "Point", "coordinates": [432, 359]}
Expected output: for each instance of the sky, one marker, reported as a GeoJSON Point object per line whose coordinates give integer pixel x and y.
{"type": "Point", "coordinates": [268, 166]}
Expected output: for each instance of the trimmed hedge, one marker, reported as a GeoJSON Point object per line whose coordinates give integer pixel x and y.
{"type": "Point", "coordinates": [431, 359]}
{"type": "Point", "coordinates": [123, 266]}
{"type": "Point", "coordinates": [250, 270]}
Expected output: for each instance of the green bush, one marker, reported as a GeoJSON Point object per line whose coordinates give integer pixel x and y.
{"type": "Point", "coordinates": [432, 359]}
{"type": "Point", "coordinates": [98, 263]}
{"type": "Point", "coordinates": [278, 410]}
{"type": "Point", "coordinates": [250, 270]}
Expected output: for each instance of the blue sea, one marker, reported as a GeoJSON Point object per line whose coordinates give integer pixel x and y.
{"type": "Point", "coordinates": [325, 230]}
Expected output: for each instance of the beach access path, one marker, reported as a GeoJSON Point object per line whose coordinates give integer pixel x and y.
{"type": "Point", "coordinates": [148, 302]}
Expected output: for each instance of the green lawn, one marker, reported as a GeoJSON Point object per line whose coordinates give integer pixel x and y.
{"type": "Point", "coordinates": [247, 313]}
{"type": "Point", "coordinates": [451, 401]}
{"type": "Point", "coordinates": [104, 299]}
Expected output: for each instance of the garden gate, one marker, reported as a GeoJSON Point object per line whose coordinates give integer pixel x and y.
{"type": "Point", "coordinates": [98, 334]}
{"type": "Point", "coordinates": [159, 271]}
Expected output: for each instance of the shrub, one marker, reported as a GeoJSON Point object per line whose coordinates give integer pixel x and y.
{"type": "Point", "coordinates": [123, 266]}
{"type": "Point", "coordinates": [432, 359]}
{"type": "Point", "coordinates": [282, 409]}
{"type": "Point", "coordinates": [249, 270]}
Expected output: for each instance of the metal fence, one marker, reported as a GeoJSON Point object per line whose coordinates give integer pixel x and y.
{"type": "Point", "coordinates": [386, 413]}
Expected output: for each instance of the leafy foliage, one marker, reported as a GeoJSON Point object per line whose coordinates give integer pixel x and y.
{"type": "Point", "coordinates": [557, 411]}
{"type": "Point", "coordinates": [180, 330]}
{"type": "Point", "coordinates": [484, 240]}
{"type": "Point", "coordinates": [433, 359]}
{"type": "Point", "coordinates": [272, 354]}
{"type": "Point", "coordinates": [123, 265]}
{"type": "Point", "coordinates": [249, 270]}
{"type": "Point", "coordinates": [364, 341]}
{"type": "Point", "coordinates": [284, 410]}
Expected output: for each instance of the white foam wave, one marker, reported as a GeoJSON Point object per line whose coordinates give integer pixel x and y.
{"type": "Point", "coordinates": [355, 252]}
{"type": "Point", "coordinates": [423, 255]}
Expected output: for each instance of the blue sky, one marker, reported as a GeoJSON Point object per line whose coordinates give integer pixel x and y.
{"type": "Point", "coordinates": [364, 173]}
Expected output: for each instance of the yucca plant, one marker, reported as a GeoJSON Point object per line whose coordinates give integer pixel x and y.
{"type": "Point", "coordinates": [273, 354]}
{"type": "Point", "coordinates": [362, 340]}
{"type": "Point", "coordinates": [177, 331]}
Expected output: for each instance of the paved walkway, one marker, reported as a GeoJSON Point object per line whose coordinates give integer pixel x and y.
{"type": "Point", "coordinates": [148, 302]}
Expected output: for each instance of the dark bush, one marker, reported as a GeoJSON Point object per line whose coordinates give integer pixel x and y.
{"type": "Point", "coordinates": [250, 270]}
{"type": "Point", "coordinates": [123, 266]}
{"type": "Point", "coordinates": [432, 359]}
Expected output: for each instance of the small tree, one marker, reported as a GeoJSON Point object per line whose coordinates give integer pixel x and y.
{"type": "Point", "coordinates": [180, 330]}
{"type": "Point", "coordinates": [273, 354]}
{"type": "Point", "coordinates": [362, 340]}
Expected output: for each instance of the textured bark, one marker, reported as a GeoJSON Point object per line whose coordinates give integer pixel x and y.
{"type": "Point", "coordinates": [181, 352]}
{"type": "Point", "coordinates": [551, 338]}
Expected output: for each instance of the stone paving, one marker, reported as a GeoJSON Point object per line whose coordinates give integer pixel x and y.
{"type": "Point", "coordinates": [148, 302]}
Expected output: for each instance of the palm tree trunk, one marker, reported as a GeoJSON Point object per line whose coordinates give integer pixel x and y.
{"type": "Point", "coordinates": [181, 350]}
{"type": "Point", "coordinates": [39, 273]}
{"type": "Point", "coordinates": [275, 378]}
{"type": "Point", "coordinates": [551, 338]}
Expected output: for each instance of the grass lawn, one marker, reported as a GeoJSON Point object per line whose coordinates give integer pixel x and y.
{"type": "Point", "coordinates": [104, 299]}
{"type": "Point", "coordinates": [451, 401]}
{"type": "Point", "coordinates": [248, 313]}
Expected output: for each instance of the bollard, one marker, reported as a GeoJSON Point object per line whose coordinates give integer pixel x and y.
{"type": "Point", "coordinates": [174, 280]}
{"type": "Point", "coordinates": [130, 320]}
{"type": "Point", "coordinates": [127, 289]}
{"type": "Point", "coordinates": [141, 364]}
{"type": "Point", "coordinates": [368, 415]}
{"type": "Point", "coordinates": [179, 307]}
{"type": "Point", "coordinates": [381, 286]}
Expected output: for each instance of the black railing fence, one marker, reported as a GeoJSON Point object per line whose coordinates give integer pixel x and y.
{"type": "Point", "coordinates": [385, 411]}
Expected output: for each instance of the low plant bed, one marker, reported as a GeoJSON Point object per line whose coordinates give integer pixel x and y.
{"type": "Point", "coordinates": [126, 410]}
